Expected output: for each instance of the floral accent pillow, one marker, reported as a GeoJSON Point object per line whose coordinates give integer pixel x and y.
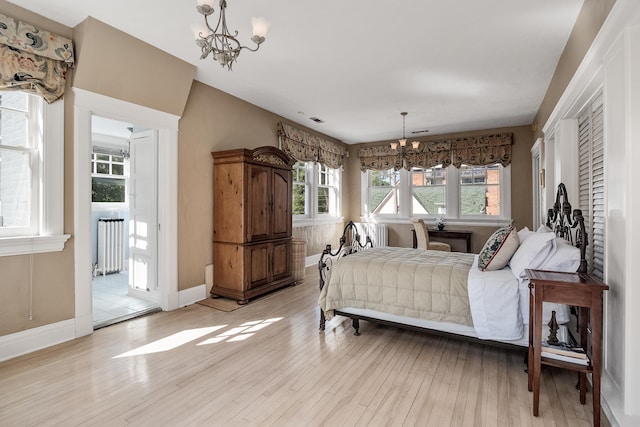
{"type": "Point", "coordinates": [498, 249]}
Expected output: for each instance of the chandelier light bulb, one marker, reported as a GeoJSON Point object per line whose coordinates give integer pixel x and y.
{"type": "Point", "coordinates": [415, 144]}
{"type": "Point", "coordinates": [403, 142]}
{"type": "Point", "coordinates": [260, 27]}
{"type": "Point", "coordinates": [394, 145]}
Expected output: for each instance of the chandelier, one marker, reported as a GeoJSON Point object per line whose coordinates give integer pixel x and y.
{"type": "Point", "coordinates": [223, 46]}
{"type": "Point", "coordinates": [403, 141]}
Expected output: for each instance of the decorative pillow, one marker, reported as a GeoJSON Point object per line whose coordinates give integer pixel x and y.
{"type": "Point", "coordinates": [524, 233]}
{"type": "Point", "coordinates": [532, 253]}
{"type": "Point", "coordinates": [498, 249]}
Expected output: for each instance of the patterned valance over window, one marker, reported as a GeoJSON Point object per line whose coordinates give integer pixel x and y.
{"type": "Point", "coordinates": [306, 147]}
{"type": "Point", "coordinates": [482, 150]}
{"type": "Point", "coordinates": [33, 60]}
{"type": "Point", "coordinates": [476, 151]}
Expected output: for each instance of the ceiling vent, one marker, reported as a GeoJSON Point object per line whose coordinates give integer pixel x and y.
{"type": "Point", "coordinates": [317, 120]}
{"type": "Point", "coordinates": [420, 131]}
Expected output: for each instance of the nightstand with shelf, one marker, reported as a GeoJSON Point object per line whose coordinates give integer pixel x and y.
{"type": "Point", "coordinates": [577, 289]}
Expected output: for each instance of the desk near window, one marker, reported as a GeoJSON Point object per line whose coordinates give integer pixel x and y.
{"type": "Point", "coordinates": [447, 234]}
{"type": "Point", "coordinates": [577, 289]}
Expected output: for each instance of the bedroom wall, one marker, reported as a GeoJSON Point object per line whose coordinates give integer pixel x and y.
{"type": "Point", "coordinates": [521, 193]}
{"type": "Point", "coordinates": [214, 120]}
{"type": "Point", "coordinates": [53, 280]}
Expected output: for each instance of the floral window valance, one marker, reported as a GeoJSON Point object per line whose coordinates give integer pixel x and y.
{"type": "Point", "coordinates": [306, 147]}
{"type": "Point", "coordinates": [33, 60]}
{"type": "Point", "coordinates": [482, 150]}
{"type": "Point", "coordinates": [475, 151]}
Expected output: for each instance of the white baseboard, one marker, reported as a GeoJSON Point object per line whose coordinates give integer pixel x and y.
{"type": "Point", "coordinates": [312, 260]}
{"type": "Point", "coordinates": [14, 345]}
{"type": "Point", "coordinates": [192, 295]}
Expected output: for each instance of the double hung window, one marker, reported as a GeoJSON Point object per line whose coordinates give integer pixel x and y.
{"type": "Point", "coordinates": [316, 191]}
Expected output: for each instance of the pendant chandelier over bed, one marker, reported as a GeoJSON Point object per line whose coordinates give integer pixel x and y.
{"type": "Point", "coordinates": [403, 141]}
{"type": "Point", "coordinates": [224, 46]}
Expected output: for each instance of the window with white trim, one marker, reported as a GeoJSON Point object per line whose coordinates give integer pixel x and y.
{"type": "Point", "coordinates": [31, 174]}
{"type": "Point", "coordinates": [470, 194]}
{"type": "Point", "coordinates": [19, 164]}
{"type": "Point", "coordinates": [316, 191]}
{"type": "Point", "coordinates": [108, 177]}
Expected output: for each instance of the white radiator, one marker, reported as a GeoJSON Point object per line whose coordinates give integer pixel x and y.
{"type": "Point", "coordinates": [377, 233]}
{"type": "Point", "coordinates": [110, 245]}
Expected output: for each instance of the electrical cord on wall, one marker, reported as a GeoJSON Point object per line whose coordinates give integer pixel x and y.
{"type": "Point", "coordinates": [31, 286]}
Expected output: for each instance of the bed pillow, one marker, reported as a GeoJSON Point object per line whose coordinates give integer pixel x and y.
{"type": "Point", "coordinates": [532, 253]}
{"type": "Point", "coordinates": [565, 258]}
{"type": "Point", "coordinates": [524, 233]}
{"type": "Point", "coordinates": [498, 249]}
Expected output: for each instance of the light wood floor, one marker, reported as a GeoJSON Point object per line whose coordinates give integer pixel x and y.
{"type": "Point", "coordinates": [266, 365]}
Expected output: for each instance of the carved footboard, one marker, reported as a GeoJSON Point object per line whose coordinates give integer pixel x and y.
{"type": "Point", "coordinates": [350, 242]}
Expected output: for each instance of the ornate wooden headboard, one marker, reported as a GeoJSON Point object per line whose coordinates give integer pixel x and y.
{"type": "Point", "coordinates": [570, 228]}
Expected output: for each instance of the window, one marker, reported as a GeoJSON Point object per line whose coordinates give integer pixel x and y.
{"type": "Point", "coordinates": [300, 189]}
{"type": "Point", "coordinates": [471, 193]}
{"type": "Point", "coordinates": [327, 191]}
{"type": "Point", "coordinates": [383, 192]}
{"type": "Point", "coordinates": [108, 178]}
{"type": "Point", "coordinates": [316, 191]}
{"type": "Point", "coordinates": [428, 191]}
{"type": "Point", "coordinates": [19, 164]}
{"type": "Point", "coordinates": [31, 174]}
{"type": "Point", "coordinates": [480, 190]}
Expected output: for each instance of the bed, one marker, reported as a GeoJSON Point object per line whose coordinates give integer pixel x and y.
{"type": "Point", "coordinates": [480, 296]}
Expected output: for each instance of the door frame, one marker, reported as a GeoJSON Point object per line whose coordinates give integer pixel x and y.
{"type": "Point", "coordinates": [87, 104]}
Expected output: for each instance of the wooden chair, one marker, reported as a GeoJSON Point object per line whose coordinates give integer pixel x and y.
{"type": "Point", "coordinates": [422, 236]}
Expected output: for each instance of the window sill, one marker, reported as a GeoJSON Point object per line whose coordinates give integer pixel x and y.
{"type": "Point", "coordinates": [10, 246]}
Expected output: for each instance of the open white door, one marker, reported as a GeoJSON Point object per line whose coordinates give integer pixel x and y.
{"type": "Point", "coordinates": [143, 222]}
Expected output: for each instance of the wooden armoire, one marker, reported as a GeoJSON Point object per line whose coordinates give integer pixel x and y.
{"type": "Point", "coordinates": [251, 222]}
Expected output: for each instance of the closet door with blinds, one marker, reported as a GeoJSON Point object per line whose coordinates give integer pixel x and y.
{"type": "Point", "coordinates": [591, 190]}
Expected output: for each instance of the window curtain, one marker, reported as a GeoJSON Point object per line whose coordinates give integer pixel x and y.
{"type": "Point", "coordinates": [476, 151]}
{"type": "Point", "coordinates": [305, 147]}
{"type": "Point", "coordinates": [33, 60]}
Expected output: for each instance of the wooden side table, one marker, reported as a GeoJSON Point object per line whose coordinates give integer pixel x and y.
{"type": "Point", "coordinates": [577, 289]}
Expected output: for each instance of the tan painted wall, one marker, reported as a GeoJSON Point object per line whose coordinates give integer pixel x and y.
{"type": "Point", "coordinates": [588, 23]}
{"type": "Point", "coordinates": [114, 64]}
{"type": "Point", "coordinates": [212, 121]}
{"type": "Point", "coordinates": [521, 192]}
{"type": "Point", "coordinates": [51, 297]}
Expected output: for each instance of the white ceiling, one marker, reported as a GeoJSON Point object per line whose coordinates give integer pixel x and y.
{"type": "Point", "coordinates": [454, 65]}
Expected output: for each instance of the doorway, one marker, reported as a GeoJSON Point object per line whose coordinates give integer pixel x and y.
{"type": "Point", "coordinates": [123, 221]}
{"type": "Point", "coordinates": [86, 105]}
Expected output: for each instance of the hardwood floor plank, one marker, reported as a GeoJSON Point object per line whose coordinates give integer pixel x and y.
{"type": "Point", "coordinates": [266, 364]}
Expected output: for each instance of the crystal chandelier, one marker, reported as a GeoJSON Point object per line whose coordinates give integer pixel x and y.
{"type": "Point", "coordinates": [224, 46]}
{"type": "Point", "coordinates": [403, 141]}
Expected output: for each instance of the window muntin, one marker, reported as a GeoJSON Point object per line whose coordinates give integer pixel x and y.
{"type": "Point", "coordinates": [20, 157]}
{"type": "Point", "coordinates": [428, 191]}
{"type": "Point", "coordinates": [383, 192]}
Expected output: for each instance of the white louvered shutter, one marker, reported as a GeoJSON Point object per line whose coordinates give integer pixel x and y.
{"type": "Point", "coordinates": [591, 182]}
